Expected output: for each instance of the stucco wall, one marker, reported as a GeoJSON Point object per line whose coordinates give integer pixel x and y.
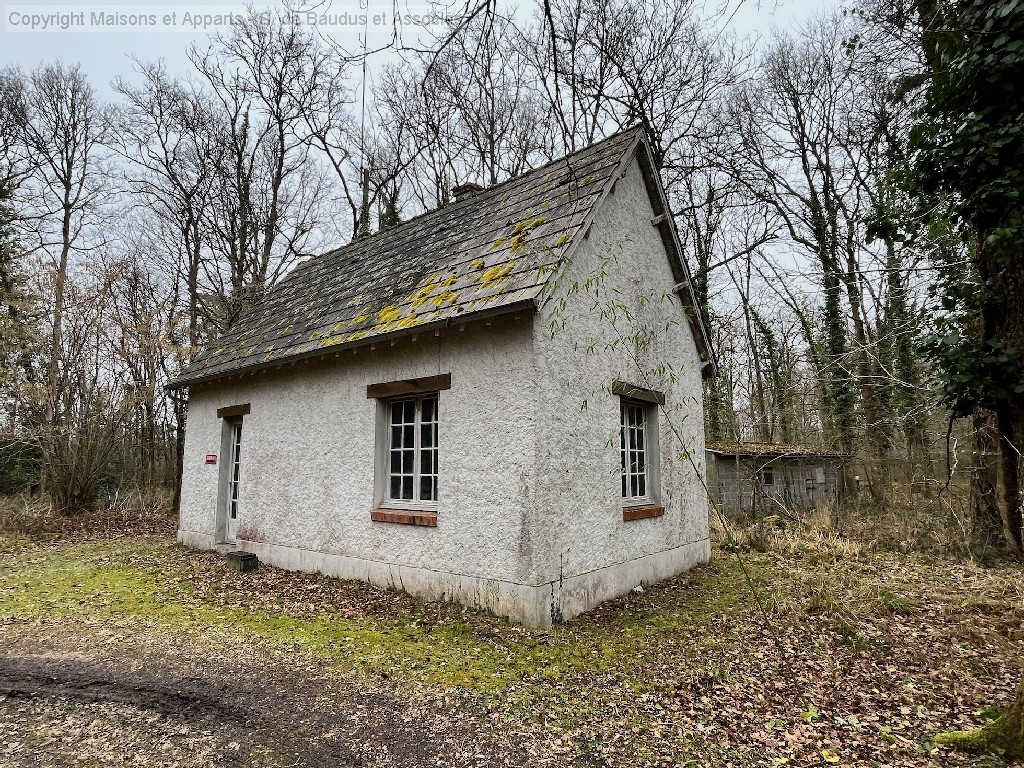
{"type": "Point", "coordinates": [621, 272]}
{"type": "Point", "coordinates": [307, 470]}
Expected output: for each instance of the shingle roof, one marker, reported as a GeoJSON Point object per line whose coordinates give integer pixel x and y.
{"type": "Point", "coordinates": [492, 252]}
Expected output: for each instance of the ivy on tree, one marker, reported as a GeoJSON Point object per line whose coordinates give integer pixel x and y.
{"type": "Point", "coordinates": [968, 170]}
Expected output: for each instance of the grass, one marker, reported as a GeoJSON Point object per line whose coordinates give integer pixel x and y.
{"type": "Point", "coordinates": [699, 668]}
{"type": "Point", "coordinates": [153, 583]}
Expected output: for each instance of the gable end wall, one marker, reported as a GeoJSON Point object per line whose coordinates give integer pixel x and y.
{"type": "Point", "coordinates": [589, 553]}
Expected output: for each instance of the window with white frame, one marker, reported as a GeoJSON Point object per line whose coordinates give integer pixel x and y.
{"type": "Point", "coordinates": [412, 451]}
{"type": "Point", "coordinates": [234, 468]}
{"type": "Point", "coordinates": [634, 448]}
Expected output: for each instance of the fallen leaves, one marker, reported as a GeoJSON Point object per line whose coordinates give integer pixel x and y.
{"type": "Point", "coordinates": [832, 661]}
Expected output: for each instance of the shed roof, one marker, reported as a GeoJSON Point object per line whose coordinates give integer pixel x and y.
{"type": "Point", "coordinates": [492, 252]}
{"type": "Point", "coordinates": [777, 450]}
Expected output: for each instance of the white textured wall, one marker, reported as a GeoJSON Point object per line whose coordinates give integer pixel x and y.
{"type": "Point", "coordinates": [579, 516]}
{"type": "Point", "coordinates": [308, 454]}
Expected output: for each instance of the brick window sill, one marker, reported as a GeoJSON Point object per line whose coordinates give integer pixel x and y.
{"type": "Point", "coordinates": [642, 513]}
{"type": "Point", "coordinates": [404, 517]}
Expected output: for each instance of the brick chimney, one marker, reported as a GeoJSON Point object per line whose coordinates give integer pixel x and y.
{"type": "Point", "coordinates": [466, 191]}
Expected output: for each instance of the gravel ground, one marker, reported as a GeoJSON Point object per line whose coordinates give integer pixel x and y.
{"type": "Point", "coordinates": [75, 698]}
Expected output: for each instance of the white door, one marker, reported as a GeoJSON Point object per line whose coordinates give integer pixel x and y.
{"type": "Point", "coordinates": [231, 516]}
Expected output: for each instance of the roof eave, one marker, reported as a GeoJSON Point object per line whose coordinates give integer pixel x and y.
{"type": "Point", "coordinates": [525, 305]}
{"type": "Point", "coordinates": [665, 223]}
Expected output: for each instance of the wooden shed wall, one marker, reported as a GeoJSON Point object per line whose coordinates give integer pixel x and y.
{"type": "Point", "coordinates": [738, 484]}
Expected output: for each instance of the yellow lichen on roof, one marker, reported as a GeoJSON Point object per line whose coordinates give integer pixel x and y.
{"type": "Point", "coordinates": [528, 225]}
{"type": "Point", "coordinates": [496, 274]}
{"type": "Point", "coordinates": [448, 298]}
{"type": "Point", "coordinates": [436, 282]}
{"type": "Point", "coordinates": [388, 315]}
{"type": "Point", "coordinates": [441, 265]}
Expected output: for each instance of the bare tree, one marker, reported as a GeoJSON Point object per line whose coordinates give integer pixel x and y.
{"type": "Point", "coordinates": [269, 191]}
{"type": "Point", "coordinates": [64, 132]}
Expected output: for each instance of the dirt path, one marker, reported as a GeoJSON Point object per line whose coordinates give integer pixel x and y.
{"type": "Point", "coordinates": [74, 698]}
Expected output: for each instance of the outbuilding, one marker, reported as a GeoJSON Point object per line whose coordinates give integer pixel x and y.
{"type": "Point", "coordinates": [497, 402]}
{"type": "Point", "coordinates": [766, 478]}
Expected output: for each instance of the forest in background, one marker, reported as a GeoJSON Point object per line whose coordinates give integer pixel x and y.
{"type": "Point", "coordinates": [846, 286]}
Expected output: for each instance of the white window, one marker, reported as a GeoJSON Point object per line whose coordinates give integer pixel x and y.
{"type": "Point", "coordinates": [234, 468]}
{"type": "Point", "coordinates": [412, 452]}
{"type": "Point", "coordinates": [634, 448]}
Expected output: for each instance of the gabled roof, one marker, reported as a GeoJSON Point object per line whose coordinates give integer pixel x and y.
{"type": "Point", "coordinates": [772, 450]}
{"type": "Point", "coordinates": [490, 253]}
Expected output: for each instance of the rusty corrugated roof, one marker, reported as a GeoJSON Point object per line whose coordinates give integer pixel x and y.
{"type": "Point", "coordinates": [492, 251]}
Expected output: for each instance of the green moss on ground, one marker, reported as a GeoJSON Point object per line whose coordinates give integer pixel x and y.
{"type": "Point", "coordinates": [690, 671]}
{"type": "Point", "coordinates": [152, 583]}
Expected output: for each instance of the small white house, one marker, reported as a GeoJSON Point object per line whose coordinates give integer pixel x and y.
{"type": "Point", "coordinates": [497, 402]}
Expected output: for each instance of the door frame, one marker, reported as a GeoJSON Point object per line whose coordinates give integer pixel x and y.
{"type": "Point", "coordinates": [228, 425]}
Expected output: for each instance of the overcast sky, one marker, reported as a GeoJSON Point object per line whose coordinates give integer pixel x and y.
{"type": "Point", "coordinates": [34, 30]}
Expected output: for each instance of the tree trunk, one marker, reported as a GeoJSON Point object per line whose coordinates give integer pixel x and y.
{"type": "Point", "coordinates": [986, 520]}
{"type": "Point", "coordinates": [181, 413]}
{"type": "Point", "coordinates": [1003, 736]}
{"type": "Point", "coordinates": [1011, 480]}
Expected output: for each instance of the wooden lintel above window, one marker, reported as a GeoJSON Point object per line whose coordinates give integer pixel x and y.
{"type": "Point", "coordinates": [409, 386]}
{"type": "Point", "coordinates": [229, 411]}
{"type": "Point", "coordinates": [638, 393]}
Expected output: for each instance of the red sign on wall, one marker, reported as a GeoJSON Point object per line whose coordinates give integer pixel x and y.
{"type": "Point", "coordinates": [211, 458]}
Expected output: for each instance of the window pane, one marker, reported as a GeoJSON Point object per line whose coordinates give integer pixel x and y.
{"type": "Point", "coordinates": [396, 412]}
{"type": "Point", "coordinates": [427, 436]}
{"type": "Point", "coordinates": [633, 450]}
{"type": "Point", "coordinates": [426, 488]}
{"type": "Point", "coordinates": [429, 409]}
{"type": "Point", "coordinates": [396, 437]}
{"type": "Point", "coordinates": [410, 412]}
{"type": "Point", "coordinates": [406, 488]}
{"type": "Point", "coordinates": [407, 458]}
{"type": "Point", "coordinates": [408, 436]}
{"type": "Point", "coordinates": [396, 486]}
